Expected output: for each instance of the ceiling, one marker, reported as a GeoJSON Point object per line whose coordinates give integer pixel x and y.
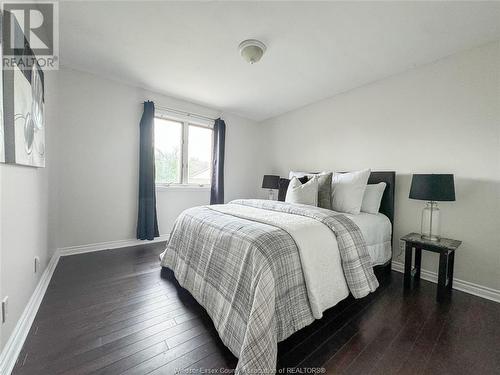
{"type": "Point", "coordinates": [315, 49]}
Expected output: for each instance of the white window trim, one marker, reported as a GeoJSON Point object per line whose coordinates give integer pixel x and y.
{"type": "Point", "coordinates": [186, 122]}
{"type": "Point", "coordinates": [183, 187]}
{"type": "Point", "coordinates": [167, 115]}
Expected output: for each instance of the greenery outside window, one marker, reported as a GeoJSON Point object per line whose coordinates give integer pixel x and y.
{"type": "Point", "coordinates": [183, 152]}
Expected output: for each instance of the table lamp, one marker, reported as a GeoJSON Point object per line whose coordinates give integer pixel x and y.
{"type": "Point", "coordinates": [432, 188]}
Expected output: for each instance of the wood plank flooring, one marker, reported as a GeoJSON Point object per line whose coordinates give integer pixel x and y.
{"type": "Point", "coordinates": [114, 312]}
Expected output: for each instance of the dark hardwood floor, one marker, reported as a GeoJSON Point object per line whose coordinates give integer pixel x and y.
{"type": "Point", "coordinates": [113, 312]}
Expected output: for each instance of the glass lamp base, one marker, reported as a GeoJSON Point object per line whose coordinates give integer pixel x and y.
{"type": "Point", "coordinates": [430, 225]}
{"type": "Point", "coordinates": [430, 238]}
{"type": "Point", "coordinates": [271, 195]}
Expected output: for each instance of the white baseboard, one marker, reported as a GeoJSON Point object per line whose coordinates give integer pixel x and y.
{"type": "Point", "coordinates": [14, 345]}
{"type": "Point", "coordinates": [72, 250]}
{"type": "Point", "coordinates": [462, 285]}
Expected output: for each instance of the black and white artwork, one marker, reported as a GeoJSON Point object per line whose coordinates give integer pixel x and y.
{"type": "Point", "coordinates": [24, 117]}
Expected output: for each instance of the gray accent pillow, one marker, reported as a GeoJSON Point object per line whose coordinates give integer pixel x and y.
{"type": "Point", "coordinates": [325, 190]}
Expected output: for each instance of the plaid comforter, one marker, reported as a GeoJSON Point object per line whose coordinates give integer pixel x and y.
{"type": "Point", "coordinates": [248, 275]}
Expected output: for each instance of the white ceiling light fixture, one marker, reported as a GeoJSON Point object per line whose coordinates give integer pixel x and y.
{"type": "Point", "coordinates": [252, 50]}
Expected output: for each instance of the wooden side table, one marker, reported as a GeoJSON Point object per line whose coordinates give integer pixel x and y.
{"type": "Point", "coordinates": [445, 248]}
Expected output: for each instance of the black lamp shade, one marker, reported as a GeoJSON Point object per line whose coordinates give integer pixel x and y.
{"type": "Point", "coordinates": [432, 187]}
{"type": "Point", "coordinates": [270, 182]}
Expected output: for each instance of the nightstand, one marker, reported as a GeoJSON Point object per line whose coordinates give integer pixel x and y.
{"type": "Point", "coordinates": [445, 248]}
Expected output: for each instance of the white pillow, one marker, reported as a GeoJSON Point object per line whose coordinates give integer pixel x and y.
{"type": "Point", "coordinates": [348, 190]}
{"type": "Point", "coordinates": [302, 193]}
{"type": "Point", "coordinates": [373, 197]}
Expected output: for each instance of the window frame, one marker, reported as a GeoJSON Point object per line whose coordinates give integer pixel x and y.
{"type": "Point", "coordinates": [186, 121]}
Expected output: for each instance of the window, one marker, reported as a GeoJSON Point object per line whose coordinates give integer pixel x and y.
{"type": "Point", "coordinates": [168, 151]}
{"type": "Point", "coordinates": [183, 152]}
{"type": "Point", "coordinates": [199, 155]}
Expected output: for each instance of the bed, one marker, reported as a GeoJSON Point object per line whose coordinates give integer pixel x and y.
{"type": "Point", "coordinates": [263, 270]}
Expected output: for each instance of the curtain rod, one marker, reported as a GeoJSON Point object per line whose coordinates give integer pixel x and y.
{"type": "Point", "coordinates": [184, 113]}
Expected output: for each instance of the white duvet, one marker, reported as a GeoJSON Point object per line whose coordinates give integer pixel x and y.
{"type": "Point", "coordinates": [318, 249]}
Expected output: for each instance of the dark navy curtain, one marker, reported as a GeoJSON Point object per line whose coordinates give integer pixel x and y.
{"type": "Point", "coordinates": [147, 223]}
{"type": "Point", "coordinates": [217, 189]}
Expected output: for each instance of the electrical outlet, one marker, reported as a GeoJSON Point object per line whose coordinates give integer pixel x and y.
{"type": "Point", "coordinates": [36, 264]}
{"type": "Point", "coordinates": [402, 245]}
{"type": "Point", "coordinates": [5, 308]}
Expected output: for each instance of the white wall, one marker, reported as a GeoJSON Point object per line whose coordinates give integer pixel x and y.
{"type": "Point", "coordinates": [24, 222]}
{"type": "Point", "coordinates": [95, 197]}
{"type": "Point", "coordinates": [440, 118]}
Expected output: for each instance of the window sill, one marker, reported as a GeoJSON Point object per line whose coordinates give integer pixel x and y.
{"type": "Point", "coordinates": [180, 187]}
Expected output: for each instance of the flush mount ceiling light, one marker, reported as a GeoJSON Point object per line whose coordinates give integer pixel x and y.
{"type": "Point", "coordinates": [252, 50]}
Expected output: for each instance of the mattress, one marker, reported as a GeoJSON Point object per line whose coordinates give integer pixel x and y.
{"type": "Point", "coordinates": [377, 231]}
